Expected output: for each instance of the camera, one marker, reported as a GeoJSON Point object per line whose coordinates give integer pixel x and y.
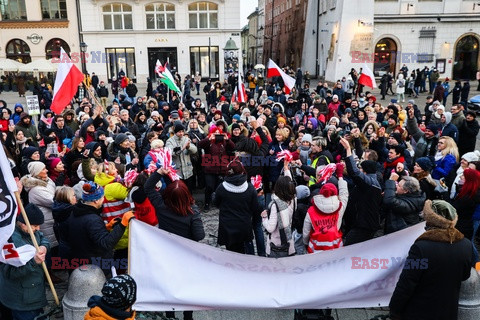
{"type": "Point", "coordinates": [176, 149]}
{"type": "Point", "coordinates": [219, 138]}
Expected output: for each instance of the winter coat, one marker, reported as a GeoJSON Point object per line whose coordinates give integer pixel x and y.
{"type": "Point", "coordinates": [131, 90]}
{"type": "Point", "coordinates": [250, 152]}
{"type": "Point", "coordinates": [271, 224]}
{"type": "Point", "coordinates": [100, 311]}
{"type": "Point", "coordinates": [237, 205]}
{"type": "Point", "coordinates": [443, 167]}
{"type": "Point", "coordinates": [181, 158]}
{"type": "Point", "coordinates": [88, 237]}
{"type": "Point", "coordinates": [23, 288]}
{"type": "Point", "coordinates": [61, 211]}
{"type": "Point", "coordinates": [450, 131]}
{"type": "Point", "coordinates": [468, 132]}
{"type": "Point", "coordinates": [41, 193]}
{"type": "Point", "coordinates": [465, 208]}
{"type": "Point", "coordinates": [189, 226]}
{"type": "Point", "coordinates": [424, 147]}
{"type": "Point", "coordinates": [431, 291]}
{"type": "Point", "coordinates": [402, 210]}
{"type": "Point", "coordinates": [365, 200]}
{"type": "Point", "coordinates": [29, 131]}
{"type": "Point", "coordinates": [114, 151]}
{"type": "Point", "coordinates": [216, 157]}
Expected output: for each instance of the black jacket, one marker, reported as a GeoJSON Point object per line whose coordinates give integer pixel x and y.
{"type": "Point", "coordinates": [87, 235]}
{"type": "Point", "coordinates": [189, 226]}
{"type": "Point", "coordinates": [402, 210]}
{"type": "Point", "coordinates": [364, 203]}
{"type": "Point", "coordinates": [429, 287]}
{"type": "Point", "coordinates": [465, 208]}
{"type": "Point", "coordinates": [467, 133]}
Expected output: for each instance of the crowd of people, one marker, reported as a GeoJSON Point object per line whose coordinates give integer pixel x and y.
{"type": "Point", "coordinates": [296, 173]}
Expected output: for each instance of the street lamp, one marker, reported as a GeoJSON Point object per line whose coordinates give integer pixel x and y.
{"type": "Point", "coordinates": [83, 49]}
{"type": "Point", "coordinates": [231, 55]}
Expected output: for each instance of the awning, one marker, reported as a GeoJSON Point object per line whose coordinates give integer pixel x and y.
{"type": "Point", "coordinates": [38, 66]}
{"type": "Point", "coordinates": [9, 65]}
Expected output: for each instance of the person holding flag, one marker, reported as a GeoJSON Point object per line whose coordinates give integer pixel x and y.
{"type": "Point", "coordinates": [23, 287]}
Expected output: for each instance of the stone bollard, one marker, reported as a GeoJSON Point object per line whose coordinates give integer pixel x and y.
{"type": "Point", "coordinates": [84, 282]}
{"type": "Point", "coordinates": [469, 300]}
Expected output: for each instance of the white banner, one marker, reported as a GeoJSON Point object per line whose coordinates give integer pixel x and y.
{"type": "Point", "coordinates": [175, 273]}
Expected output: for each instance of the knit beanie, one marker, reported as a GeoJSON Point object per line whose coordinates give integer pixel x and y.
{"type": "Point", "coordinates": [235, 126]}
{"type": "Point", "coordinates": [121, 137]}
{"type": "Point", "coordinates": [397, 136]}
{"type": "Point", "coordinates": [120, 292]}
{"type": "Point", "coordinates": [440, 214]}
{"type": "Point", "coordinates": [369, 166]}
{"type": "Point", "coordinates": [307, 137]}
{"type": "Point", "coordinates": [235, 167]}
{"type": "Point", "coordinates": [34, 215]}
{"type": "Point", "coordinates": [35, 167]}
{"type": "Point", "coordinates": [178, 127]}
{"type": "Point", "coordinates": [302, 192]}
{"type": "Point", "coordinates": [328, 190]}
{"type": "Point", "coordinates": [425, 163]}
{"type": "Point", "coordinates": [394, 117]}
{"type": "Point", "coordinates": [472, 156]}
{"type": "Point", "coordinates": [52, 164]}
{"type": "Point", "coordinates": [91, 192]}
{"type": "Point", "coordinates": [29, 151]}
{"type": "Point", "coordinates": [236, 117]}
{"type": "Point", "coordinates": [432, 127]}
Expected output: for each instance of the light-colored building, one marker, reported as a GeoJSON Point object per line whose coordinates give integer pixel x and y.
{"type": "Point", "coordinates": [386, 34]}
{"type": "Point", "coordinates": [130, 36]}
{"type": "Point", "coordinates": [32, 30]}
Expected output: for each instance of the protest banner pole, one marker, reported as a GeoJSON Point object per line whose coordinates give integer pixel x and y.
{"type": "Point", "coordinates": [35, 244]}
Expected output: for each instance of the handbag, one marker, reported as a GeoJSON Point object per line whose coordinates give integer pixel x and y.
{"type": "Point", "coordinates": [281, 250]}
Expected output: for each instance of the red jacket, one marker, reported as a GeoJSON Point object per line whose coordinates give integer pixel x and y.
{"type": "Point", "coordinates": [145, 212]}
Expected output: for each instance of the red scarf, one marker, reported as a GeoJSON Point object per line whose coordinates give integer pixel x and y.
{"type": "Point", "coordinates": [394, 163]}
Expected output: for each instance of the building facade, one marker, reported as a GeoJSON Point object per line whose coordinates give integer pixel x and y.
{"type": "Point", "coordinates": [35, 29]}
{"type": "Point", "coordinates": [130, 36]}
{"type": "Point", "coordinates": [386, 34]}
{"type": "Point", "coordinates": [284, 30]}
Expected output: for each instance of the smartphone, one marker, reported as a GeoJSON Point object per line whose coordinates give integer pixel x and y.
{"type": "Point", "coordinates": [10, 123]}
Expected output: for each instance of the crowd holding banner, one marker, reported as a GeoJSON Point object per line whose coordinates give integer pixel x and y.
{"type": "Point", "coordinates": [293, 170]}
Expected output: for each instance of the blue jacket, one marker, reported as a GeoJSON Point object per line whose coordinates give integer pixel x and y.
{"type": "Point", "coordinates": [443, 167]}
{"type": "Point", "coordinates": [23, 288]}
{"type": "Point", "coordinates": [451, 131]}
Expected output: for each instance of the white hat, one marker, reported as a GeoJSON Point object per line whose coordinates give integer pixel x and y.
{"type": "Point", "coordinates": [35, 167]}
{"type": "Point", "coordinates": [472, 156]}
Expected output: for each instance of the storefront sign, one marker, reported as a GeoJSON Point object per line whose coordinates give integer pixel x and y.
{"type": "Point", "coordinates": [362, 42]}
{"type": "Point", "coordinates": [33, 106]}
{"type": "Point", "coordinates": [161, 40]}
{"type": "Point", "coordinates": [35, 38]}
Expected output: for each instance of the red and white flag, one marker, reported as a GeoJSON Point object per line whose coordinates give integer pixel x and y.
{"type": "Point", "coordinates": [275, 71]}
{"type": "Point", "coordinates": [66, 83]}
{"type": "Point", "coordinates": [240, 94]}
{"type": "Point", "coordinates": [9, 254]}
{"type": "Point", "coordinates": [367, 78]}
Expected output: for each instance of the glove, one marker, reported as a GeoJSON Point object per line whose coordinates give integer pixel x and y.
{"type": "Point", "coordinates": [339, 170]}
{"type": "Point", "coordinates": [127, 216]}
{"type": "Point", "coordinates": [112, 223]}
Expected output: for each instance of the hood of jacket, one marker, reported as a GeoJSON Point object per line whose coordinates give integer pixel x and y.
{"type": "Point", "coordinates": [61, 210]}
{"type": "Point", "coordinates": [30, 182]}
{"type": "Point", "coordinates": [103, 179]}
{"type": "Point", "coordinates": [326, 205]}
{"type": "Point", "coordinates": [82, 209]}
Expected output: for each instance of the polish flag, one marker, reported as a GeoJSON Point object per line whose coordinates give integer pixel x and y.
{"type": "Point", "coordinates": [367, 78]}
{"type": "Point", "coordinates": [240, 93]}
{"type": "Point", "coordinates": [274, 71]}
{"type": "Point", "coordinates": [66, 83]}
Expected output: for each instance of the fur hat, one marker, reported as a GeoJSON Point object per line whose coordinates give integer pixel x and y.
{"type": "Point", "coordinates": [120, 292]}
{"type": "Point", "coordinates": [91, 192]}
{"type": "Point", "coordinates": [35, 167]}
{"type": "Point", "coordinates": [440, 214]}
{"type": "Point", "coordinates": [34, 215]}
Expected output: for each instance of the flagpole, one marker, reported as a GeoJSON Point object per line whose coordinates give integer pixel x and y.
{"type": "Point", "coordinates": [35, 244]}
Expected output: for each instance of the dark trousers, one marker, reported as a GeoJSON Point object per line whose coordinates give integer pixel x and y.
{"type": "Point", "coordinates": [211, 183]}
{"type": "Point", "coordinates": [357, 235]}
{"type": "Point", "coordinates": [236, 247]}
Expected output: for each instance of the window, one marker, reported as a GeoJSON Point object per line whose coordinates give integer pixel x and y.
{"type": "Point", "coordinates": [426, 44]}
{"type": "Point", "coordinates": [160, 16]}
{"type": "Point", "coordinates": [117, 16]}
{"type": "Point", "coordinates": [13, 10]}
{"type": "Point", "coordinates": [54, 9]}
{"type": "Point", "coordinates": [203, 15]}
{"type": "Point", "coordinates": [18, 50]}
{"type": "Point", "coordinates": [203, 63]}
{"type": "Point", "coordinates": [121, 59]}
{"type": "Point", "coordinates": [52, 49]}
